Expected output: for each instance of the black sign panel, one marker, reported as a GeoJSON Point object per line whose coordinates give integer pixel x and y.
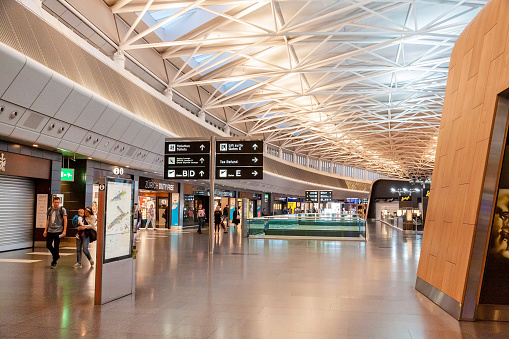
{"type": "Point", "coordinates": [187, 173]}
{"type": "Point", "coordinates": [311, 196]}
{"type": "Point", "coordinates": [425, 192]}
{"type": "Point", "coordinates": [240, 146]}
{"type": "Point", "coordinates": [325, 196]}
{"type": "Point", "coordinates": [224, 160]}
{"type": "Point", "coordinates": [239, 159]}
{"type": "Point", "coordinates": [189, 147]}
{"type": "Point", "coordinates": [405, 197]}
{"type": "Point", "coordinates": [239, 172]}
{"type": "Point", "coordinates": [187, 160]}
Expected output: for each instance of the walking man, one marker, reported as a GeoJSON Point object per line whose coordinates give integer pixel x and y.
{"type": "Point", "coordinates": [56, 227]}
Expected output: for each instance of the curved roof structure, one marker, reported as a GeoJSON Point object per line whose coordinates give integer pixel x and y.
{"type": "Point", "coordinates": [356, 82]}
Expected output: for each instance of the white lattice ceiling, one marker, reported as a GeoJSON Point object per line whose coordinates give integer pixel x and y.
{"type": "Point", "coordinates": [357, 82]}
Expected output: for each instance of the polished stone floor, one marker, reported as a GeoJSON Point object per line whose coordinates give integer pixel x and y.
{"type": "Point", "coordinates": [248, 289]}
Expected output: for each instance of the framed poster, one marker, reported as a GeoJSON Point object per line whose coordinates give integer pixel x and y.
{"type": "Point", "coordinates": [41, 210]}
{"type": "Point", "coordinates": [118, 226]}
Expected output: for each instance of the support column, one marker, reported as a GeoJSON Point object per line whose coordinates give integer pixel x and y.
{"type": "Point", "coordinates": [227, 129]}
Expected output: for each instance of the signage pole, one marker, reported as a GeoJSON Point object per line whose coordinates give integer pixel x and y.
{"type": "Point", "coordinates": [211, 202]}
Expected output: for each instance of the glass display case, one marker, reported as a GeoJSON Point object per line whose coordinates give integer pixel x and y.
{"type": "Point", "coordinates": [310, 224]}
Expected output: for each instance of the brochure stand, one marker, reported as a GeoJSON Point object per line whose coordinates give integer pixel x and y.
{"type": "Point", "coordinates": [114, 275]}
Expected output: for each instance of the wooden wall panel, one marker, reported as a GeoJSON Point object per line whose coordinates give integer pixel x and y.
{"type": "Point", "coordinates": [478, 71]}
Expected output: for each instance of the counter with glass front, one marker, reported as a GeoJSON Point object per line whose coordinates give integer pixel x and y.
{"type": "Point", "coordinates": [404, 219]}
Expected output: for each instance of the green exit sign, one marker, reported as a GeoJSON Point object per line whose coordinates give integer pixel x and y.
{"type": "Point", "coordinates": [67, 174]}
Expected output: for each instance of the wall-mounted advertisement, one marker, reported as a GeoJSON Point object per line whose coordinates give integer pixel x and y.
{"type": "Point", "coordinates": [118, 231]}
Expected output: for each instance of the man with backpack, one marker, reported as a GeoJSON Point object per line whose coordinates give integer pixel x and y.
{"type": "Point", "coordinates": [56, 227]}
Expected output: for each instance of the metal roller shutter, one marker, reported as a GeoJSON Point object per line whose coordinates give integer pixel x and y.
{"type": "Point", "coordinates": [17, 206]}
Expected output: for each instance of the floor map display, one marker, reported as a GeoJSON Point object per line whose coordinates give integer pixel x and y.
{"type": "Point", "coordinates": [118, 220]}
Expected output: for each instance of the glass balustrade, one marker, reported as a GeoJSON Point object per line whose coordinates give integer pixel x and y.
{"type": "Point", "coordinates": [309, 224]}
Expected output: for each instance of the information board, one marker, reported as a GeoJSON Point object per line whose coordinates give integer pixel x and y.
{"type": "Point", "coordinates": [118, 221]}
{"type": "Point", "coordinates": [41, 210]}
{"type": "Point", "coordinates": [187, 159]}
{"type": "Point", "coordinates": [239, 159]}
{"type": "Point", "coordinates": [187, 147]}
{"type": "Point", "coordinates": [311, 196]}
{"type": "Point", "coordinates": [239, 146]}
{"type": "Point", "coordinates": [239, 172]}
{"type": "Point", "coordinates": [232, 160]}
{"type": "Point", "coordinates": [325, 196]}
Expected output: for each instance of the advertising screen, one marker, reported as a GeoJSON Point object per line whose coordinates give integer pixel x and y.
{"type": "Point", "coordinates": [118, 232]}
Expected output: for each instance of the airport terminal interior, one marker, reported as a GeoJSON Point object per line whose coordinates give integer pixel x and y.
{"type": "Point", "coordinates": [254, 169]}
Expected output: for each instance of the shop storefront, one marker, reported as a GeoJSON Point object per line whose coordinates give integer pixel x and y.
{"type": "Point", "coordinates": [25, 186]}
{"type": "Point", "coordinates": [163, 197]}
{"type": "Point", "coordinates": [255, 203]}
{"type": "Point", "coordinates": [196, 195]}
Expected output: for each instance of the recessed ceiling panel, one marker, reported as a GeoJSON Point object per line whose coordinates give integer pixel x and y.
{"type": "Point", "coordinates": [119, 127]}
{"type": "Point", "coordinates": [107, 120]}
{"type": "Point", "coordinates": [11, 65]}
{"type": "Point", "coordinates": [91, 112]}
{"type": "Point", "coordinates": [74, 104]}
{"type": "Point", "coordinates": [142, 136]}
{"type": "Point", "coordinates": [28, 84]}
{"type": "Point", "coordinates": [53, 95]}
{"type": "Point", "coordinates": [75, 134]}
{"type": "Point", "coordinates": [24, 134]}
{"type": "Point", "coordinates": [47, 140]}
{"type": "Point", "coordinates": [152, 140]}
{"type": "Point", "coordinates": [132, 131]}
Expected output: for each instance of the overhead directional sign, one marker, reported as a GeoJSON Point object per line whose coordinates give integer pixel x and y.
{"type": "Point", "coordinates": [325, 196]}
{"type": "Point", "coordinates": [239, 159]}
{"type": "Point", "coordinates": [186, 173]}
{"type": "Point", "coordinates": [186, 159]}
{"type": "Point", "coordinates": [239, 172]}
{"type": "Point", "coordinates": [188, 147]}
{"type": "Point", "coordinates": [311, 196]}
{"type": "Point", "coordinates": [240, 146]}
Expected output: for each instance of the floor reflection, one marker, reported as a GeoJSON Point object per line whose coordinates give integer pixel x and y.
{"type": "Point", "coordinates": [248, 288]}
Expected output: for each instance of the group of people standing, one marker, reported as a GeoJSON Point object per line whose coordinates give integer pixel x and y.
{"type": "Point", "coordinates": [221, 218]}
{"type": "Point", "coordinates": [56, 228]}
